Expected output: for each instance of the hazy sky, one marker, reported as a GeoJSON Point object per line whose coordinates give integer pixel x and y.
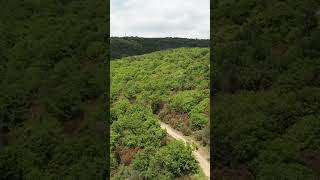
{"type": "Point", "coordinates": [161, 18]}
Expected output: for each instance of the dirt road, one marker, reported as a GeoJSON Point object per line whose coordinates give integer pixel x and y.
{"type": "Point", "coordinates": [203, 162]}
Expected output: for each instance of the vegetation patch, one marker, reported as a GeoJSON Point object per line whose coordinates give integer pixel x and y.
{"type": "Point", "coordinates": [168, 86]}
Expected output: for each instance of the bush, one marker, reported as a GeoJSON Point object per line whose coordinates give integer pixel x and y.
{"type": "Point", "coordinates": [198, 121]}
{"type": "Point", "coordinates": [175, 158]}
{"type": "Point", "coordinates": [184, 101]}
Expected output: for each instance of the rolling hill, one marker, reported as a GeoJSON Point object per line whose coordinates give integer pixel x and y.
{"type": "Point", "coordinates": [170, 86]}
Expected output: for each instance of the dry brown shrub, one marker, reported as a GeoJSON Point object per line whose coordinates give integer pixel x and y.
{"type": "Point", "coordinates": [126, 154]}
{"type": "Point", "coordinates": [177, 120]}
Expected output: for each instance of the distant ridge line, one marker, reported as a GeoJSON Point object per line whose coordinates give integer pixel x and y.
{"type": "Point", "coordinates": [131, 46]}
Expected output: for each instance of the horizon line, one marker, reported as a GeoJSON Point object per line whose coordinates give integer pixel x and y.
{"type": "Point", "coordinates": [160, 37]}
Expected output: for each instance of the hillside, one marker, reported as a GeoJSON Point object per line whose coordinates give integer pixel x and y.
{"type": "Point", "coordinates": [171, 86]}
{"type": "Point", "coordinates": [266, 122]}
{"type": "Point", "coordinates": [130, 46]}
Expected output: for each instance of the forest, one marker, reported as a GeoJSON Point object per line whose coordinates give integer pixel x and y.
{"type": "Point", "coordinates": [129, 46]}
{"type": "Point", "coordinates": [266, 86]}
{"type": "Point", "coordinates": [53, 111]}
{"type": "Point", "coordinates": [265, 81]}
{"type": "Point", "coordinates": [53, 94]}
{"type": "Point", "coordinates": [171, 86]}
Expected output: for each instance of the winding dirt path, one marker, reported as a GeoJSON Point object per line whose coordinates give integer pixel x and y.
{"type": "Point", "coordinates": [203, 162]}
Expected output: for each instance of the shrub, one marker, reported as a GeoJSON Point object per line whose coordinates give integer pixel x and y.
{"type": "Point", "coordinates": [198, 121]}
{"type": "Point", "coordinates": [175, 158]}
{"type": "Point", "coordinates": [184, 101]}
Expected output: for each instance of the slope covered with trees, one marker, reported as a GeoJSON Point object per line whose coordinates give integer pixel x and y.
{"type": "Point", "coordinates": [52, 84]}
{"type": "Point", "coordinates": [130, 46]}
{"type": "Point", "coordinates": [266, 122]}
{"type": "Point", "coordinates": [172, 86]}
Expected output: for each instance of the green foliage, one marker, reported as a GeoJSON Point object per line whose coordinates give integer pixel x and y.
{"type": "Point", "coordinates": [144, 87]}
{"type": "Point", "coordinates": [52, 79]}
{"type": "Point", "coordinates": [198, 120]}
{"type": "Point", "coordinates": [198, 115]}
{"type": "Point", "coordinates": [184, 101]}
{"type": "Point", "coordinates": [138, 128]}
{"type": "Point", "coordinates": [178, 79]}
{"type": "Point", "coordinates": [143, 160]}
{"type": "Point", "coordinates": [42, 150]}
{"type": "Point", "coordinates": [126, 173]}
{"type": "Point", "coordinates": [286, 171]}
{"type": "Point", "coordinates": [267, 86]}
{"type": "Point", "coordinates": [173, 160]}
{"type": "Point", "coordinates": [130, 46]}
{"type": "Point", "coordinates": [119, 108]}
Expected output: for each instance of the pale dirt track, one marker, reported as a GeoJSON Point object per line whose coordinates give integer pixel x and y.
{"type": "Point", "coordinates": [203, 162]}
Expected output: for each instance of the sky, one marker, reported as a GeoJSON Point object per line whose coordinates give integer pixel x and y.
{"type": "Point", "coordinates": [161, 18]}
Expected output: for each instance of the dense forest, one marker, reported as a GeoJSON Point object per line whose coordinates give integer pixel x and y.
{"type": "Point", "coordinates": [171, 86]}
{"type": "Point", "coordinates": [266, 84]}
{"type": "Point", "coordinates": [52, 84]}
{"type": "Point", "coordinates": [53, 97]}
{"type": "Point", "coordinates": [129, 46]}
